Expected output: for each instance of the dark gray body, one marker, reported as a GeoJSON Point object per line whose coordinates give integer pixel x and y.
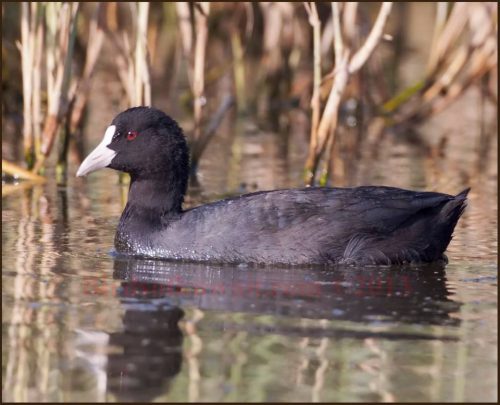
{"type": "Point", "coordinates": [363, 225]}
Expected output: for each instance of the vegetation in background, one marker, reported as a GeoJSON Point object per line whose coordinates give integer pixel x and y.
{"type": "Point", "coordinates": [281, 56]}
{"type": "Point", "coordinates": [464, 49]}
{"type": "Point", "coordinates": [347, 63]}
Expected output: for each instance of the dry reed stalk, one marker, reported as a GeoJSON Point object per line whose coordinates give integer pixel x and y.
{"type": "Point", "coordinates": [278, 32]}
{"type": "Point", "coordinates": [476, 52]}
{"type": "Point", "coordinates": [250, 19]}
{"type": "Point", "coordinates": [373, 39]}
{"type": "Point", "coordinates": [350, 32]}
{"type": "Point", "coordinates": [201, 12]}
{"type": "Point", "coordinates": [26, 48]}
{"type": "Point", "coordinates": [122, 47]}
{"type": "Point", "coordinates": [37, 72]}
{"type": "Point", "coordinates": [448, 36]}
{"type": "Point", "coordinates": [133, 65]}
{"type": "Point", "coordinates": [57, 32]}
{"type": "Point", "coordinates": [60, 38]}
{"type": "Point", "coordinates": [338, 42]}
{"type": "Point", "coordinates": [273, 21]}
{"type": "Point", "coordinates": [278, 40]}
{"type": "Point", "coordinates": [194, 29]}
{"type": "Point", "coordinates": [457, 61]}
{"type": "Point", "coordinates": [78, 93]}
{"type": "Point", "coordinates": [481, 64]}
{"type": "Point", "coordinates": [441, 10]}
{"type": "Point", "coordinates": [345, 66]}
{"type": "Point", "coordinates": [94, 45]}
{"type": "Point", "coordinates": [238, 69]}
{"type": "Point", "coordinates": [17, 171]}
{"type": "Point", "coordinates": [142, 77]}
{"type": "Point", "coordinates": [329, 120]}
{"type": "Point", "coordinates": [315, 99]}
{"type": "Point", "coordinates": [186, 30]}
{"type": "Point", "coordinates": [152, 34]}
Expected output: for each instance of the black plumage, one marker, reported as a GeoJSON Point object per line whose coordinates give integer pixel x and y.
{"type": "Point", "coordinates": [362, 225]}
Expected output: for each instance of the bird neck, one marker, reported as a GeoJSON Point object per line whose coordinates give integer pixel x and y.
{"type": "Point", "coordinates": [156, 197]}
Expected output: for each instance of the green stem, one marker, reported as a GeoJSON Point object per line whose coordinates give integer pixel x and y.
{"type": "Point", "coordinates": [394, 103]}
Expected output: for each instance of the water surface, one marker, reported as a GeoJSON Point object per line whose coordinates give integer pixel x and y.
{"type": "Point", "coordinates": [79, 324]}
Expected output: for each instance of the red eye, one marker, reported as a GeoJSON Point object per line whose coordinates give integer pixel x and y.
{"type": "Point", "coordinates": [131, 135]}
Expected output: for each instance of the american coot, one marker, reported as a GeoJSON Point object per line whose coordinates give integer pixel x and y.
{"type": "Point", "coordinates": [316, 225]}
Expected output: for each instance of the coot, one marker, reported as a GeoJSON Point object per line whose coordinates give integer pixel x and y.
{"type": "Point", "coordinates": [315, 225]}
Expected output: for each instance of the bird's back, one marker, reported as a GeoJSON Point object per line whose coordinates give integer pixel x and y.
{"type": "Point", "coordinates": [367, 225]}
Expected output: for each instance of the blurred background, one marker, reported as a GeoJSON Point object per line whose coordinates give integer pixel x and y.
{"type": "Point", "coordinates": [270, 95]}
{"type": "Point", "coordinates": [331, 82]}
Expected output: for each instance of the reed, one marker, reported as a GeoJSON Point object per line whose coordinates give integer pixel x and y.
{"type": "Point", "coordinates": [79, 92]}
{"type": "Point", "coordinates": [60, 39]}
{"type": "Point", "coordinates": [273, 65]}
{"type": "Point", "coordinates": [48, 32]}
{"type": "Point", "coordinates": [278, 40]}
{"type": "Point", "coordinates": [201, 11]}
{"type": "Point", "coordinates": [193, 24]}
{"type": "Point", "coordinates": [30, 47]}
{"type": "Point", "coordinates": [464, 50]}
{"type": "Point", "coordinates": [132, 63]}
{"type": "Point", "coordinates": [347, 63]}
{"type": "Point", "coordinates": [315, 100]}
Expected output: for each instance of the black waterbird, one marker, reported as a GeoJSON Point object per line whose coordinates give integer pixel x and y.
{"type": "Point", "coordinates": [316, 225]}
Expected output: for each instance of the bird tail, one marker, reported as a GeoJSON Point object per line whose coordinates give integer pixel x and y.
{"type": "Point", "coordinates": [449, 216]}
{"type": "Point", "coordinates": [454, 208]}
{"type": "Point", "coordinates": [463, 194]}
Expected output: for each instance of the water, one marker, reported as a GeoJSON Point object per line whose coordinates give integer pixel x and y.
{"type": "Point", "coordinates": [79, 324]}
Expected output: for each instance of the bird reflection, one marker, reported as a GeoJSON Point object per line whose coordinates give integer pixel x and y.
{"type": "Point", "coordinates": [152, 292]}
{"type": "Point", "coordinates": [149, 348]}
{"type": "Point", "coordinates": [412, 294]}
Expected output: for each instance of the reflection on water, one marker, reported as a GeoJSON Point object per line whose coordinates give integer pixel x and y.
{"type": "Point", "coordinates": [81, 325]}
{"type": "Point", "coordinates": [150, 352]}
{"type": "Point", "coordinates": [147, 353]}
{"type": "Point", "coordinates": [379, 296]}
